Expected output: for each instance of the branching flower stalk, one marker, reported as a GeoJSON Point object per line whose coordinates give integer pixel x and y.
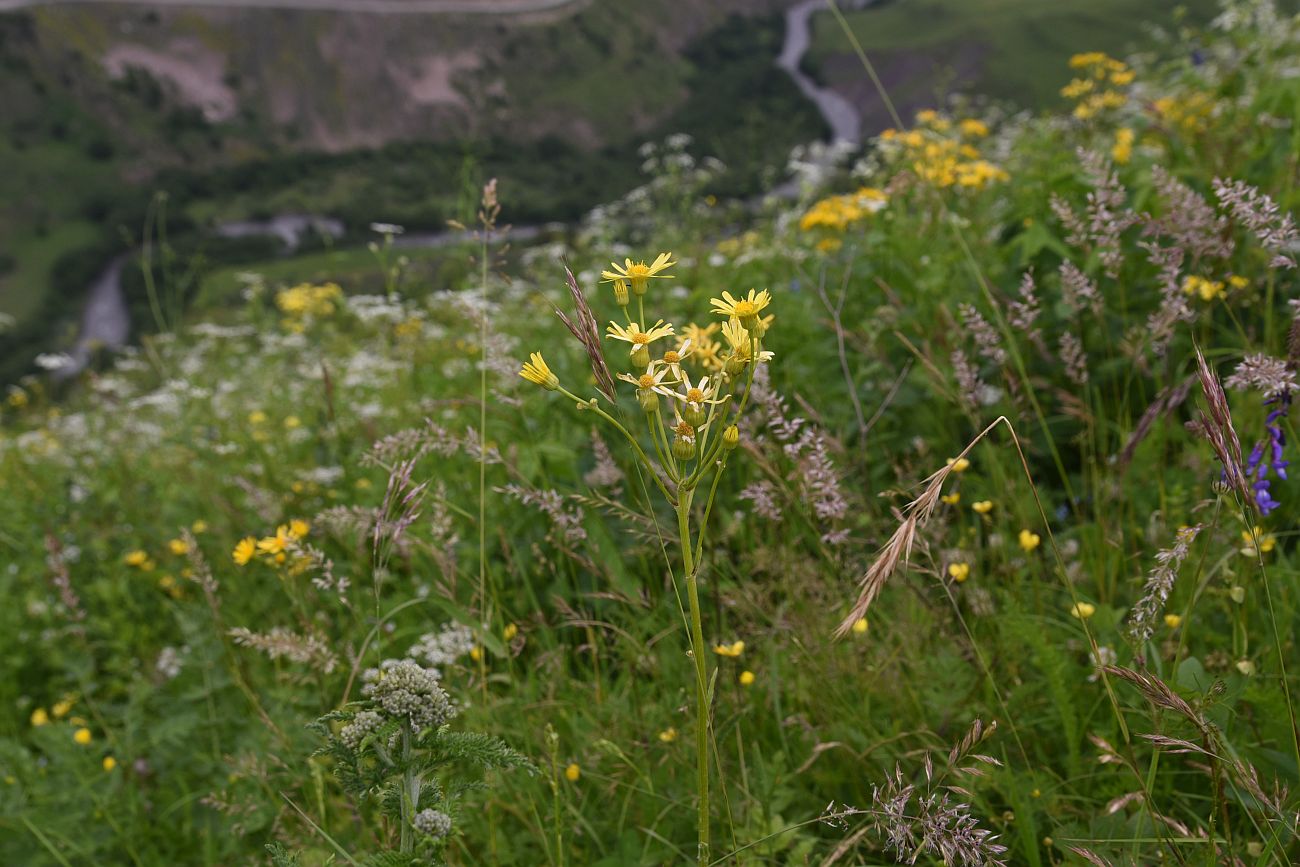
{"type": "Point", "coordinates": [691, 439]}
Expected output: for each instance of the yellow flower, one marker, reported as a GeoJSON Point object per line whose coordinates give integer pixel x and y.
{"type": "Point", "coordinates": [1207, 290]}
{"type": "Point", "coordinates": [535, 370]}
{"type": "Point", "coordinates": [136, 558]}
{"type": "Point", "coordinates": [510, 631]}
{"type": "Point", "coordinates": [1029, 540]}
{"type": "Point", "coordinates": [973, 128]}
{"type": "Point", "coordinates": [199, 527]}
{"type": "Point", "coordinates": [82, 736]}
{"type": "Point", "coordinates": [476, 653]}
{"type": "Point", "coordinates": [178, 547]}
{"type": "Point", "coordinates": [245, 550]}
{"type": "Point", "coordinates": [668, 735]}
{"type": "Point", "coordinates": [732, 650]}
{"type": "Point", "coordinates": [298, 528]}
{"type": "Point", "coordinates": [860, 626]}
{"type": "Point", "coordinates": [746, 678]}
{"type": "Point", "coordinates": [959, 572]}
{"type": "Point", "coordinates": [1122, 152]}
{"type": "Point", "coordinates": [1246, 667]}
{"type": "Point", "coordinates": [40, 717]}
{"type": "Point", "coordinates": [1257, 542]}
{"type": "Point", "coordinates": [257, 417]}
{"type": "Point", "coordinates": [959, 465]}
{"type": "Point", "coordinates": [1237, 281]}
{"type": "Point", "coordinates": [1173, 621]}
{"type": "Point", "coordinates": [638, 273]}
{"type": "Point", "coordinates": [952, 499]}
{"type": "Point", "coordinates": [109, 763]}
{"type": "Point", "coordinates": [277, 544]}
{"type": "Point", "coordinates": [742, 345]}
{"type": "Point", "coordinates": [982, 507]}
{"type": "Point", "coordinates": [1083, 610]}
{"type": "Point", "coordinates": [292, 422]}
{"type": "Point", "coordinates": [572, 773]}
{"type": "Point", "coordinates": [743, 308]}
{"type": "Point", "coordinates": [60, 708]}
{"type": "Point", "coordinates": [631, 334]}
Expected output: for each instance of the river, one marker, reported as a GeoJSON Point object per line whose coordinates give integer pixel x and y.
{"type": "Point", "coordinates": [106, 323]}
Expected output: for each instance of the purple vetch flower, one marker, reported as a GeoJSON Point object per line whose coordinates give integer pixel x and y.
{"type": "Point", "coordinates": [1266, 456]}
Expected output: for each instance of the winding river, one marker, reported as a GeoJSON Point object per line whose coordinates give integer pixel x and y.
{"type": "Point", "coordinates": [105, 321]}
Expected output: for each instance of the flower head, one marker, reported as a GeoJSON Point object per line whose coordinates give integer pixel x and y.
{"type": "Point", "coordinates": [668, 735]}
{"type": "Point", "coordinates": [1083, 610]}
{"type": "Point", "coordinates": [245, 550]}
{"type": "Point", "coordinates": [860, 626]}
{"type": "Point", "coordinates": [638, 273]}
{"type": "Point", "coordinates": [638, 338]}
{"type": "Point", "coordinates": [982, 507]}
{"type": "Point", "coordinates": [1028, 540]}
{"type": "Point", "coordinates": [535, 370]}
{"type": "Point", "coordinates": [572, 772]}
{"type": "Point", "coordinates": [82, 736]}
{"type": "Point", "coordinates": [745, 308]}
{"type": "Point", "coordinates": [959, 465]}
{"type": "Point", "coordinates": [746, 678]}
{"type": "Point", "coordinates": [733, 650]}
{"type": "Point", "coordinates": [959, 572]}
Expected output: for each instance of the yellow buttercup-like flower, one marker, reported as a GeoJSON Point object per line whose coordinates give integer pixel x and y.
{"type": "Point", "coordinates": [1029, 540]}
{"type": "Point", "coordinates": [82, 736]}
{"type": "Point", "coordinates": [245, 550]}
{"type": "Point", "coordinates": [178, 547]}
{"type": "Point", "coordinates": [1257, 542]}
{"type": "Point", "coordinates": [860, 626]}
{"type": "Point", "coordinates": [277, 544]}
{"type": "Point", "coordinates": [298, 528]}
{"type": "Point", "coordinates": [1173, 621]}
{"type": "Point", "coordinates": [572, 773]}
{"type": "Point", "coordinates": [638, 338]}
{"type": "Point", "coordinates": [668, 735]}
{"type": "Point", "coordinates": [638, 273]}
{"type": "Point", "coordinates": [959, 465]}
{"type": "Point", "coordinates": [959, 572]}
{"type": "Point", "coordinates": [982, 507]}
{"type": "Point", "coordinates": [1083, 610]}
{"type": "Point", "coordinates": [743, 308]}
{"type": "Point", "coordinates": [733, 650]}
{"type": "Point", "coordinates": [40, 717]}
{"type": "Point", "coordinates": [537, 371]}
{"type": "Point", "coordinates": [138, 559]}
{"type": "Point", "coordinates": [746, 678]}
{"type": "Point", "coordinates": [951, 499]}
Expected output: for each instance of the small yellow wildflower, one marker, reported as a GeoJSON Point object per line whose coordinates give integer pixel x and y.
{"type": "Point", "coordinates": [136, 558]}
{"type": "Point", "coordinates": [1257, 542]}
{"type": "Point", "coordinates": [746, 678]}
{"type": "Point", "coordinates": [510, 631]}
{"type": "Point", "coordinates": [1029, 540]}
{"type": "Point", "coordinates": [959, 465]}
{"type": "Point", "coordinates": [732, 650]}
{"type": "Point", "coordinates": [973, 128]}
{"type": "Point", "coordinates": [476, 653]}
{"type": "Point", "coordinates": [982, 507]}
{"type": "Point", "coordinates": [952, 499]}
{"type": "Point", "coordinates": [199, 527]}
{"type": "Point", "coordinates": [1236, 281]}
{"type": "Point", "coordinates": [1207, 290]}
{"type": "Point", "coordinates": [632, 334]}
{"type": "Point", "coordinates": [257, 417]}
{"type": "Point", "coordinates": [277, 544]}
{"type": "Point", "coordinates": [959, 572]}
{"type": "Point", "coordinates": [82, 736]}
{"type": "Point", "coordinates": [178, 547]}
{"type": "Point", "coordinates": [40, 717]}
{"type": "Point", "coordinates": [109, 763]}
{"type": "Point", "coordinates": [61, 708]}
{"type": "Point", "coordinates": [1173, 621]}
{"type": "Point", "coordinates": [537, 371]}
{"type": "Point", "coordinates": [1083, 610]}
{"type": "Point", "coordinates": [745, 308]}
{"type": "Point", "coordinates": [298, 528]}
{"type": "Point", "coordinates": [245, 550]}
{"type": "Point", "coordinates": [362, 484]}
{"type": "Point", "coordinates": [638, 273]}
{"type": "Point", "coordinates": [572, 772]}
{"type": "Point", "coordinates": [292, 422]}
{"type": "Point", "coordinates": [1122, 151]}
{"type": "Point", "coordinates": [668, 735]}
{"type": "Point", "coordinates": [860, 626]}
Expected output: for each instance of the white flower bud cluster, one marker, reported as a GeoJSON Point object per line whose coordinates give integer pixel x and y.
{"type": "Point", "coordinates": [404, 688]}
{"type": "Point", "coordinates": [363, 724]}
{"type": "Point", "coordinates": [435, 823]}
{"type": "Point", "coordinates": [443, 648]}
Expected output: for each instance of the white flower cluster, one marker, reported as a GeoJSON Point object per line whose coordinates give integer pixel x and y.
{"type": "Point", "coordinates": [435, 823]}
{"type": "Point", "coordinates": [442, 648]}
{"type": "Point", "coordinates": [404, 688]}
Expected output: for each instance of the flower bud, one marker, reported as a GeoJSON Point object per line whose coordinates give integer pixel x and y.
{"type": "Point", "coordinates": [641, 357]}
{"type": "Point", "coordinates": [731, 437]}
{"type": "Point", "coordinates": [648, 399]}
{"type": "Point", "coordinates": [735, 365]}
{"type": "Point", "coordinates": [695, 416]}
{"type": "Point", "coordinates": [683, 448]}
{"type": "Point", "coordinates": [620, 293]}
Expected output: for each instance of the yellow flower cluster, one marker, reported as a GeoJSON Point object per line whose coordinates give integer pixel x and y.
{"type": "Point", "coordinates": [1205, 289]}
{"type": "Point", "coordinates": [1189, 113]}
{"type": "Point", "coordinates": [941, 153]}
{"type": "Point", "coordinates": [1122, 151]}
{"type": "Point", "coordinates": [275, 548]}
{"type": "Point", "coordinates": [308, 300]}
{"type": "Point", "coordinates": [837, 213]}
{"type": "Point", "coordinates": [1100, 85]}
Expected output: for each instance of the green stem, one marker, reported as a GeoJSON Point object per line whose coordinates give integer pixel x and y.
{"type": "Point", "coordinates": [701, 672]}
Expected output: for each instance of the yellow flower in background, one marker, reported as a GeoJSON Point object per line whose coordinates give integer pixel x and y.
{"type": "Point", "coordinates": [257, 417]}
{"type": "Point", "coordinates": [1122, 151]}
{"type": "Point", "coordinates": [982, 507]}
{"type": "Point", "coordinates": [298, 528]}
{"type": "Point", "coordinates": [1028, 540]}
{"type": "Point", "coordinates": [572, 773]}
{"type": "Point", "coordinates": [973, 128]}
{"type": "Point", "coordinates": [959, 572]}
{"type": "Point", "coordinates": [82, 736]}
{"type": "Point", "coordinates": [638, 273]}
{"type": "Point", "coordinates": [245, 550]}
{"type": "Point", "coordinates": [746, 678]}
{"type": "Point", "coordinates": [1173, 621]}
{"type": "Point", "coordinates": [40, 717]}
{"type": "Point", "coordinates": [1083, 610]}
{"type": "Point", "coordinates": [959, 465]}
{"type": "Point", "coordinates": [277, 544]}
{"type": "Point", "coordinates": [308, 300]}
{"type": "Point", "coordinates": [137, 558]}
{"type": "Point", "coordinates": [292, 422]}
{"type": "Point", "coordinates": [1206, 290]}
{"type": "Point", "coordinates": [510, 631]}
{"type": "Point", "coordinates": [61, 708]}
{"type": "Point", "coordinates": [476, 653]}
{"type": "Point", "coordinates": [732, 650]}
{"type": "Point", "coordinates": [535, 370]}
{"type": "Point", "coordinates": [199, 527]}
{"type": "Point", "coordinates": [109, 763]}
{"type": "Point", "coordinates": [1237, 281]}
{"type": "Point", "coordinates": [668, 735]}
{"type": "Point", "coordinates": [860, 626]}
{"type": "Point", "coordinates": [1257, 543]}
{"type": "Point", "coordinates": [952, 499]}
{"type": "Point", "coordinates": [178, 547]}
